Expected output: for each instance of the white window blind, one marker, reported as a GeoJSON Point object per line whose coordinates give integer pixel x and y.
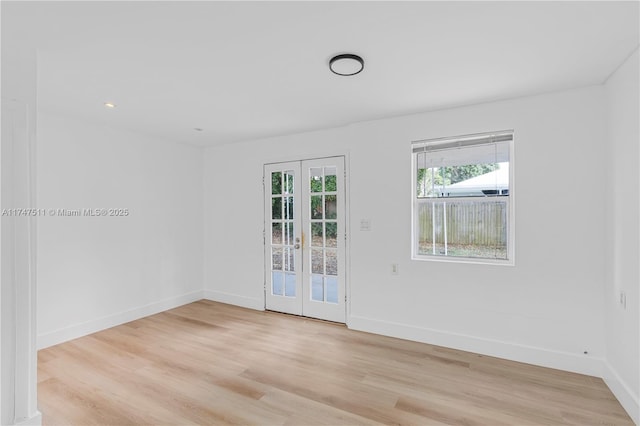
{"type": "Point", "coordinates": [465, 166]}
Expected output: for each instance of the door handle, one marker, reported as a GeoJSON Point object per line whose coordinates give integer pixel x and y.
{"type": "Point", "coordinates": [297, 246]}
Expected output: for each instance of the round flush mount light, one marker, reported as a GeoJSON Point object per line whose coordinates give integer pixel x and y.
{"type": "Point", "coordinates": [346, 64]}
{"type": "Point", "coordinates": [109, 105]}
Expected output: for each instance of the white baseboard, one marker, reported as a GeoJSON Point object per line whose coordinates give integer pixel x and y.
{"type": "Point", "coordinates": [628, 399]}
{"type": "Point", "coordinates": [82, 329]}
{"type": "Point", "coordinates": [234, 299]}
{"type": "Point", "coordinates": [36, 420]}
{"type": "Point", "coordinates": [582, 364]}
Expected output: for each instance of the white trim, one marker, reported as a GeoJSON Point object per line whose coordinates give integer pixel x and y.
{"type": "Point", "coordinates": [35, 420]}
{"type": "Point", "coordinates": [623, 393]}
{"type": "Point", "coordinates": [275, 163]}
{"type": "Point", "coordinates": [315, 155]}
{"type": "Point", "coordinates": [85, 328]}
{"type": "Point", "coordinates": [511, 238]}
{"type": "Point", "coordinates": [347, 243]}
{"type": "Point", "coordinates": [582, 364]}
{"type": "Point", "coordinates": [19, 357]}
{"type": "Point", "coordinates": [235, 299]}
{"type": "Point", "coordinates": [460, 259]}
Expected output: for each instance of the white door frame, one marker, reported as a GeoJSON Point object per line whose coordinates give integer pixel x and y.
{"type": "Point", "coordinates": [18, 393]}
{"type": "Point", "coordinates": [347, 222]}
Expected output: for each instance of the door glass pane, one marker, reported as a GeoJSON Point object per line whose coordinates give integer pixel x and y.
{"type": "Point", "coordinates": [276, 208]}
{"type": "Point", "coordinates": [330, 207]}
{"type": "Point", "coordinates": [276, 258]}
{"type": "Point", "coordinates": [276, 233]}
{"type": "Point", "coordinates": [331, 262]}
{"type": "Point", "coordinates": [276, 183]}
{"type": "Point", "coordinates": [331, 229]}
{"type": "Point", "coordinates": [316, 234]}
{"type": "Point", "coordinates": [331, 286]}
{"type": "Point", "coordinates": [285, 258]}
{"type": "Point", "coordinates": [288, 233]}
{"type": "Point", "coordinates": [317, 261]}
{"type": "Point", "coordinates": [289, 259]}
{"type": "Point", "coordinates": [315, 179]}
{"type": "Point", "coordinates": [288, 182]}
{"type": "Point", "coordinates": [290, 285]}
{"type": "Point", "coordinates": [288, 208]}
{"type": "Point", "coordinates": [330, 179]}
{"type": "Point", "coordinates": [317, 290]}
{"type": "Point", "coordinates": [316, 206]}
{"type": "Point", "coordinates": [276, 283]}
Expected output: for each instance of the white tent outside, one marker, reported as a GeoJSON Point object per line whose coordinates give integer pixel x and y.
{"type": "Point", "coordinates": [497, 180]}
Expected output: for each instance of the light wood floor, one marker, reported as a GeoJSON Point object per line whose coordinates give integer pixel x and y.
{"type": "Point", "coordinates": [208, 363]}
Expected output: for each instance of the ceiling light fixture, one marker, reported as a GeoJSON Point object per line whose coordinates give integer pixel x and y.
{"type": "Point", "coordinates": [346, 64]}
{"type": "Point", "coordinates": [109, 105]}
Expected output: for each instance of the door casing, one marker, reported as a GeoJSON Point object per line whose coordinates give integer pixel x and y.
{"type": "Point", "coordinates": [267, 224]}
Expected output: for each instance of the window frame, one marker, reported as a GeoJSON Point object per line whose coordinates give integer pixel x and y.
{"type": "Point", "coordinates": [510, 202]}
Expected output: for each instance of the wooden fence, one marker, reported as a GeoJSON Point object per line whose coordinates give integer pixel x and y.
{"type": "Point", "coordinates": [479, 222]}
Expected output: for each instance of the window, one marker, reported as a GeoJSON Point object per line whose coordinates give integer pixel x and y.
{"type": "Point", "coordinates": [461, 198]}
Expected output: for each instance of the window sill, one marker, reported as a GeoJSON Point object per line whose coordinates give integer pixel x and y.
{"type": "Point", "coordinates": [467, 260]}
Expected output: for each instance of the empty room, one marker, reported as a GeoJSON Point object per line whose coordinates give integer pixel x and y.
{"type": "Point", "coordinates": [320, 213]}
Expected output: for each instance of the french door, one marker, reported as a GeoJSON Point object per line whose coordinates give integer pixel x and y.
{"type": "Point", "coordinates": [305, 238]}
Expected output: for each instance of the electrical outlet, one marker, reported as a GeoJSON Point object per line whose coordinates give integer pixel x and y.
{"type": "Point", "coordinates": [394, 269]}
{"type": "Point", "coordinates": [623, 300]}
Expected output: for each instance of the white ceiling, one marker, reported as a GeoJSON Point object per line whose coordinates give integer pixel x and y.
{"type": "Point", "coordinates": [247, 70]}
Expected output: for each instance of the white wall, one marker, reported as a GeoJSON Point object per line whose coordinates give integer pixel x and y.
{"type": "Point", "coordinates": [546, 310]}
{"type": "Point", "coordinates": [623, 233]}
{"type": "Point", "coordinates": [95, 272]}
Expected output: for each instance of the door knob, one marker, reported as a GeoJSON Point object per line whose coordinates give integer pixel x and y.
{"type": "Point", "coordinates": [297, 246]}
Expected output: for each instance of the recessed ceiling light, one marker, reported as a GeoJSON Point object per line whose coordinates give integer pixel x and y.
{"type": "Point", "coordinates": [197, 129]}
{"type": "Point", "coordinates": [109, 105]}
{"type": "Point", "coordinates": [346, 64]}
